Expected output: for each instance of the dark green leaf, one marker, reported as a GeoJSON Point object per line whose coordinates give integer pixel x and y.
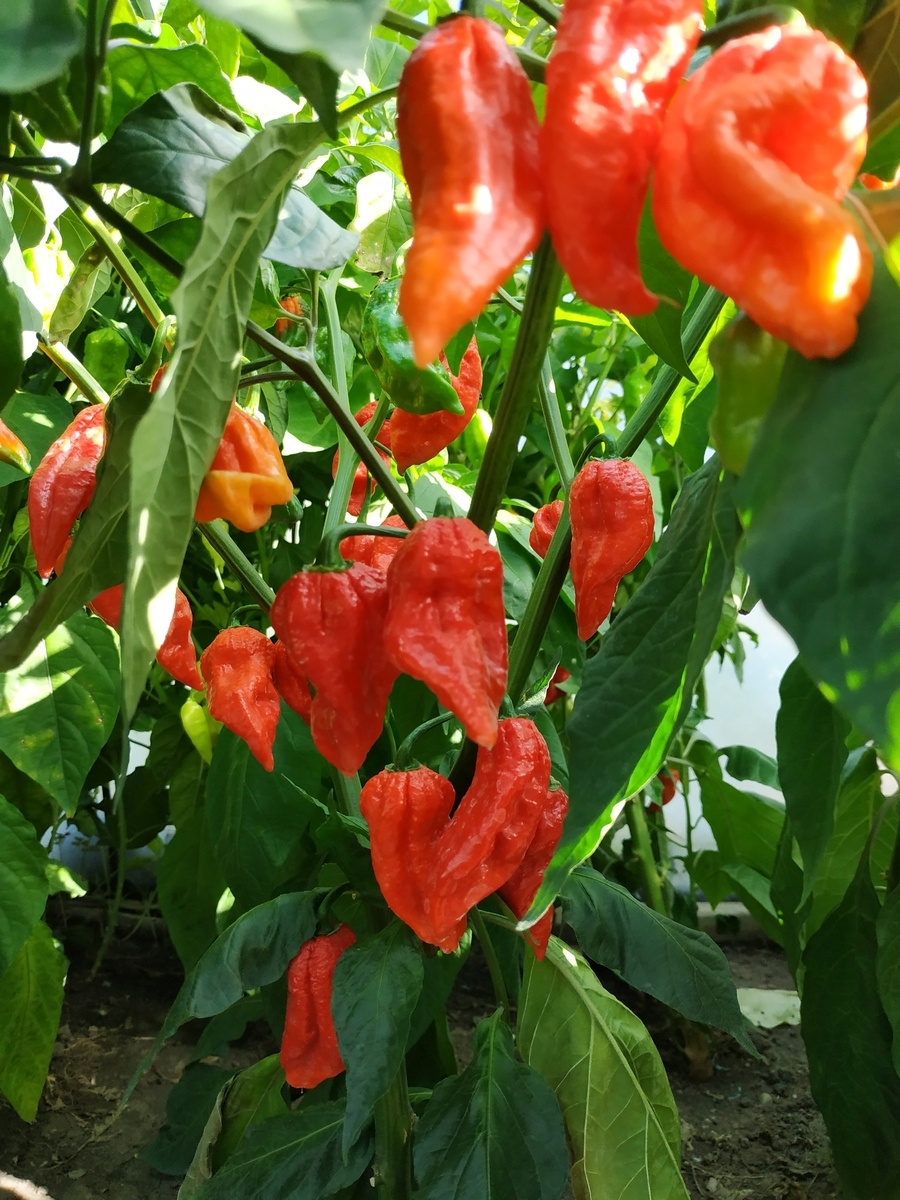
{"type": "Point", "coordinates": [227, 1027]}
{"type": "Point", "coordinates": [888, 966]}
{"type": "Point", "coordinates": [254, 1096]}
{"type": "Point", "coordinates": [315, 79]}
{"type": "Point", "coordinates": [23, 882]}
{"type": "Point", "coordinates": [139, 72]}
{"type": "Point", "coordinates": [746, 762]}
{"type": "Point", "coordinates": [10, 339]}
{"type": "Point", "coordinates": [31, 996]}
{"type": "Point", "coordinates": [190, 886]}
{"type": "Point", "coordinates": [37, 39]}
{"type": "Point", "coordinates": [189, 1104]}
{"type": "Point", "coordinates": [746, 827]}
{"type": "Point", "coordinates": [440, 975]}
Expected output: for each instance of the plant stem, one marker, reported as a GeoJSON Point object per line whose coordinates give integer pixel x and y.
{"type": "Point", "coordinates": [216, 533]}
{"type": "Point", "coordinates": [493, 962]}
{"type": "Point", "coordinates": [393, 1166]}
{"type": "Point", "coordinates": [63, 358]}
{"type": "Point", "coordinates": [330, 555]}
{"type": "Point", "coordinates": [750, 22]}
{"type": "Point", "coordinates": [544, 9]}
{"type": "Point", "coordinates": [266, 377]}
{"type": "Point", "coordinates": [347, 460]}
{"type": "Point", "coordinates": [556, 430]}
{"type": "Point", "coordinates": [643, 852]}
{"type": "Point", "coordinates": [94, 56]}
{"type": "Point", "coordinates": [121, 854]}
{"type": "Point", "coordinates": [538, 611]}
{"type": "Point", "coordinates": [128, 229]}
{"type": "Point", "coordinates": [119, 260]}
{"type": "Point", "coordinates": [346, 792]}
{"type": "Point", "coordinates": [345, 115]}
{"type": "Point", "coordinates": [532, 64]}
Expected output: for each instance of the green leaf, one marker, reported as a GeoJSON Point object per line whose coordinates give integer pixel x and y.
{"type": "Point", "coordinates": [887, 929]}
{"type": "Point", "coordinates": [10, 339]}
{"type": "Point", "coordinates": [173, 145]}
{"type": "Point", "coordinates": [682, 967]}
{"type": "Point", "coordinates": [315, 80]}
{"type": "Point", "coordinates": [620, 1117]}
{"type": "Point", "coordinates": [746, 827]}
{"type": "Point", "coordinates": [31, 996]}
{"type": "Point", "coordinates": [376, 986]}
{"type": "Point", "coordinates": [37, 39]}
{"type": "Point", "coordinates": [23, 882]}
{"type": "Point", "coordinates": [666, 278]}
{"type": "Point", "coordinates": [190, 886]}
{"type": "Point", "coordinates": [38, 421]}
{"type": "Point", "coordinates": [746, 762]}
{"type": "Point", "coordinates": [106, 356]}
{"type": "Point", "coordinates": [87, 283]}
{"type": "Point", "coordinates": [494, 1132]}
{"type": "Point", "coordinates": [255, 1095]}
{"type": "Point", "coordinates": [139, 72]}
{"type": "Point", "coordinates": [35, 805]}
{"type": "Point", "coordinates": [188, 1107]}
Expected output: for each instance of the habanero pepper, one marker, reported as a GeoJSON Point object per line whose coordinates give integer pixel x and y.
{"type": "Point", "coordinates": [291, 304]}
{"type": "Point", "coordinates": [544, 526]}
{"type": "Point", "coordinates": [759, 147]}
{"type": "Point", "coordinates": [521, 888]}
{"type": "Point", "coordinates": [309, 1048]}
{"type": "Point", "coordinates": [613, 69]}
{"type": "Point", "coordinates": [369, 548]}
{"type": "Point", "coordinates": [13, 450]}
{"type": "Point", "coordinates": [246, 477]}
{"type": "Point", "coordinates": [468, 135]}
{"type": "Point", "coordinates": [748, 363]}
{"type": "Point", "coordinates": [237, 666]}
{"type": "Point", "coordinates": [446, 623]}
{"type": "Point", "coordinates": [669, 780]}
{"type": "Point", "coordinates": [361, 478]}
{"type": "Point", "coordinates": [291, 683]}
{"type": "Point", "coordinates": [176, 654]}
{"type": "Point", "coordinates": [417, 439]}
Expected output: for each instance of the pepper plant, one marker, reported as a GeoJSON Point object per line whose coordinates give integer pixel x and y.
{"type": "Point", "coordinates": [203, 203]}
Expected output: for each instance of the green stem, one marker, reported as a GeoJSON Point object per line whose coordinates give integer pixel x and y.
{"type": "Point", "coordinates": [556, 430]}
{"type": "Point", "coordinates": [346, 792]}
{"type": "Point", "coordinates": [493, 962]}
{"type": "Point", "coordinates": [643, 852]}
{"type": "Point", "coordinates": [128, 229]}
{"type": "Point", "coordinates": [346, 115]}
{"type": "Point", "coordinates": [330, 556]}
{"type": "Point", "coordinates": [532, 64]}
{"type": "Point", "coordinates": [119, 260]}
{"type": "Point", "coordinates": [544, 9]}
{"type": "Point", "coordinates": [393, 1125]}
{"type": "Point", "coordinates": [63, 358]}
{"type": "Point", "coordinates": [538, 611]}
{"type": "Point", "coordinates": [216, 533]}
{"type": "Point", "coordinates": [121, 855]}
{"type": "Point", "coordinates": [404, 756]}
{"type": "Point", "coordinates": [266, 377]}
{"type": "Point", "coordinates": [347, 460]}
{"type": "Point", "coordinates": [749, 22]}
{"type": "Point", "coordinates": [94, 58]}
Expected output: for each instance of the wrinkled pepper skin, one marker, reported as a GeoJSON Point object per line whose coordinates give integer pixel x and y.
{"type": "Point", "coordinates": [177, 654]}
{"type": "Point", "coordinates": [246, 477]}
{"type": "Point", "coordinates": [446, 623]}
{"type": "Point", "coordinates": [291, 684]}
{"type": "Point", "coordinates": [615, 66]}
{"type": "Point", "coordinates": [237, 667]}
{"type": "Point", "coordinates": [62, 485]}
{"type": "Point", "coordinates": [13, 450]}
{"type": "Point", "coordinates": [748, 364]}
{"type": "Point", "coordinates": [374, 551]}
{"type": "Point", "coordinates": [522, 887]}
{"type": "Point", "coordinates": [468, 136]}
{"type": "Point", "coordinates": [331, 624]}
{"type": "Point", "coordinates": [758, 148]}
{"type": "Point", "coordinates": [611, 508]}
{"type": "Point", "coordinates": [544, 526]}
{"type": "Point", "coordinates": [361, 480]}
{"type": "Point", "coordinates": [309, 1048]}
{"type": "Point", "coordinates": [431, 867]}
{"type": "Point", "coordinates": [291, 304]}
{"type": "Point", "coordinates": [417, 439]}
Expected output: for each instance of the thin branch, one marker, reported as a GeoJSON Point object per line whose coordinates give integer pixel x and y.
{"type": "Point", "coordinates": [63, 358]}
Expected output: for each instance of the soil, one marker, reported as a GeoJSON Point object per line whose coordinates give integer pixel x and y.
{"type": "Point", "coordinates": [751, 1130]}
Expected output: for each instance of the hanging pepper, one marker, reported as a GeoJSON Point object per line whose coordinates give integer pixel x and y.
{"type": "Point", "coordinates": [468, 136]}
{"type": "Point", "coordinates": [544, 526]}
{"type": "Point", "coordinates": [361, 478]}
{"type": "Point", "coordinates": [374, 551]}
{"type": "Point", "coordinates": [431, 867]}
{"type": "Point", "coordinates": [553, 692]}
{"type": "Point", "coordinates": [237, 667]}
{"type": "Point", "coordinates": [614, 67]}
{"type": "Point", "coordinates": [611, 508]}
{"type": "Point", "coordinates": [669, 780]}
{"type": "Point", "coordinates": [177, 654]}
{"type": "Point", "coordinates": [748, 363]}
{"type": "Point", "coordinates": [291, 683]}
{"type": "Point", "coordinates": [309, 1048]}
{"type": "Point", "coordinates": [246, 477]}
{"type": "Point", "coordinates": [13, 450]}
{"type": "Point", "coordinates": [291, 304]}
{"type": "Point", "coordinates": [758, 148]}
{"type": "Point", "coordinates": [417, 439]}
{"type": "Point", "coordinates": [522, 887]}
{"type": "Point", "coordinates": [62, 485]}
{"type": "Point", "coordinates": [331, 623]}
{"type": "Point", "coordinates": [446, 623]}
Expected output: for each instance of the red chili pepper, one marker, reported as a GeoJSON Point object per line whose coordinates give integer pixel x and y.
{"type": "Point", "coordinates": [291, 304]}
{"type": "Point", "coordinates": [416, 439]}
{"type": "Point", "coordinates": [237, 667]}
{"type": "Point", "coordinates": [373, 550]}
{"type": "Point", "coordinates": [157, 379]}
{"type": "Point", "coordinates": [553, 692]}
{"type": "Point", "coordinates": [468, 136]}
{"type": "Point", "coordinates": [361, 478]}
{"type": "Point", "coordinates": [544, 526]}
{"type": "Point", "coordinates": [522, 887]}
{"type": "Point", "coordinates": [63, 484]}
{"type": "Point", "coordinates": [13, 450]}
{"type": "Point", "coordinates": [669, 779]}
{"type": "Point", "coordinates": [432, 868]}
{"type": "Point", "coordinates": [246, 477]}
{"type": "Point", "coordinates": [309, 1048]}
{"type": "Point", "coordinates": [331, 623]}
{"type": "Point", "coordinates": [446, 623]}
{"type": "Point", "coordinates": [177, 654]}
{"type": "Point", "coordinates": [611, 508]}
{"type": "Point", "coordinates": [291, 683]}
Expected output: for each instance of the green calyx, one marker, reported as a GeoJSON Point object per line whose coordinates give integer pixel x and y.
{"type": "Point", "coordinates": [748, 364]}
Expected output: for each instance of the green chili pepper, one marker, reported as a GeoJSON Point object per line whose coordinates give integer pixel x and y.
{"type": "Point", "coordinates": [389, 351]}
{"type": "Point", "coordinates": [748, 363]}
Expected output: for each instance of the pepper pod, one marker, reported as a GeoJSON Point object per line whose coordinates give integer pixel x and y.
{"type": "Point", "coordinates": [521, 888]}
{"type": "Point", "coordinates": [246, 477]}
{"type": "Point", "coordinates": [369, 548]}
{"type": "Point", "coordinates": [176, 654]}
{"type": "Point", "coordinates": [13, 450]}
{"type": "Point", "coordinates": [417, 439]}
{"type": "Point", "coordinates": [544, 526]}
{"type": "Point", "coordinates": [291, 683]}
{"type": "Point", "coordinates": [237, 667]}
{"type": "Point", "coordinates": [309, 1047]}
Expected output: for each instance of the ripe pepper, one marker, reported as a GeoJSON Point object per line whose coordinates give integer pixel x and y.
{"type": "Point", "coordinates": [758, 148]}
{"type": "Point", "coordinates": [309, 1048]}
{"type": "Point", "coordinates": [614, 67]}
{"type": "Point", "coordinates": [177, 654]}
{"type": "Point", "coordinates": [431, 867]}
{"type": "Point", "coordinates": [669, 780]}
{"type": "Point", "coordinates": [291, 304]}
{"type": "Point", "coordinates": [544, 526]}
{"type": "Point", "coordinates": [468, 136]}
{"type": "Point", "coordinates": [611, 508]}
{"type": "Point", "coordinates": [748, 363]}
{"type": "Point", "coordinates": [291, 683]}
{"type": "Point", "coordinates": [386, 345]}
{"type": "Point", "coordinates": [417, 439]}
{"type": "Point", "coordinates": [361, 478]}
{"type": "Point", "coordinates": [521, 888]}
{"type": "Point", "coordinates": [62, 485]}
{"type": "Point", "coordinates": [446, 623]}
{"type": "Point", "coordinates": [237, 666]}
{"type": "Point", "coordinates": [246, 477]}
{"type": "Point", "coordinates": [374, 551]}
{"type": "Point", "coordinates": [553, 692]}
{"type": "Point", "coordinates": [331, 623]}
{"type": "Point", "coordinates": [13, 450]}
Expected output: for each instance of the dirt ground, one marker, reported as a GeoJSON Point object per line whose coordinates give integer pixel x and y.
{"type": "Point", "coordinates": [751, 1131]}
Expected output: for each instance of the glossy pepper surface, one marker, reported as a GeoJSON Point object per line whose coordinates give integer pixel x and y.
{"type": "Point", "coordinates": [237, 667]}
{"type": "Point", "coordinates": [611, 508]}
{"type": "Point", "coordinates": [758, 148]}
{"type": "Point", "coordinates": [446, 623]}
{"type": "Point", "coordinates": [177, 654]}
{"type": "Point", "coordinates": [309, 1048]}
{"type": "Point", "coordinates": [417, 439]}
{"type": "Point", "coordinates": [361, 480]}
{"type": "Point", "coordinates": [748, 364]}
{"type": "Point", "coordinates": [468, 136]}
{"type": "Point", "coordinates": [331, 623]}
{"type": "Point", "coordinates": [431, 867]}
{"type": "Point", "coordinates": [62, 485]}
{"type": "Point", "coordinates": [553, 692]}
{"type": "Point", "coordinates": [290, 682]}
{"type": "Point", "coordinates": [13, 450]}
{"type": "Point", "coordinates": [544, 526]}
{"type": "Point", "coordinates": [246, 477]}
{"type": "Point", "coordinates": [521, 888]}
{"type": "Point", "coordinates": [374, 551]}
{"type": "Point", "coordinates": [614, 67]}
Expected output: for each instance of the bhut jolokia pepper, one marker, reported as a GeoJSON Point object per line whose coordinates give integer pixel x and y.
{"type": "Point", "coordinates": [758, 148]}
{"type": "Point", "coordinates": [544, 526]}
{"type": "Point", "coordinates": [237, 667]}
{"type": "Point", "coordinates": [246, 477]}
{"type": "Point", "coordinates": [554, 692]}
{"type": "Point", "coordinates": [468, 136]}
{"type": "Point", "coordinates": [431, 867]}
{"type": "Point", "coordinates": [446, 623]}
{"type": "Point", "coordinates": [291, 304]}
{"type": "Point", "coordinates": [177, 654]}
{"type": "Point", "coordinates": [13, 450]}
{"type": "Point", "coordinates": [371, 549]}
{"type": "Point", "coordinates": [521, 888]}
{"type": "Point", "coordinates": [611, 508]}
{"type": "Point", "coordinates": [361, 481]}
{"type": "Point", "coordinates": [669, 779]}
{"type": "Point", "coordinates": [62, 485]}
{"type": "Point", "coordinates": [417, 439]}
{"type": "Point", "coordinates": [309, 1048]}
{"type": "Point", "coordinates": [291, 683]}
{"type": "Point", "coordinates": [614, 67]}
{"type": "Point", "coordinates": [748, 364]}
{"type": "Point", "coordinates": [331, 623]}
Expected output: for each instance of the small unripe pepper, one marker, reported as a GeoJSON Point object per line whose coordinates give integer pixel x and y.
{"type": "Point", "coordinates": [748, 364]}
{"type": "Point", "coordinates": [417, 439]}
{"type": "Point", "coordinates": [521, 888]}
{"type": "Point", "coordinates": [177, 654]}
{"type": "Point", "coordinates": [246, 477]}
{"type": "Point", "coordinates": [544, 526]}
{"type": "Point", "coordinates": [309, 1048]}
{"type": "Point", "coordinates": [758, 148]}
{"type": "Point", "coordinates": [613, 69]}
{"type": "Point", "coordinates": [374, 551]}
{"type": "Point", "coordinates": [291, 683]}
{"type": "Point", "coordinates": [468, 136]}
{"type": "Point", "coordinates": [237, 667]}
{"type": "Point", "coordinates": [13, 450]}
{"type": "Point", "coordinates": [361, 478]}
{"type": "Point", "coordinates": [446, 623]}
{"type": "Point", "coordinates": [62, 485]}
